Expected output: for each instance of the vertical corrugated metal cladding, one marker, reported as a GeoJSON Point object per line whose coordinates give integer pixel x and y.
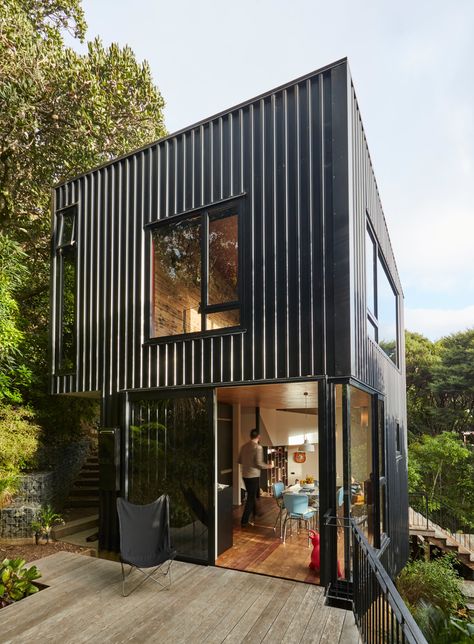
{"type": "Point", "coordinates": [275, 154]}
{"type": "Point", "coordinates": [296, 160]}
{"type": "Point", "coordinates": [370, 364]}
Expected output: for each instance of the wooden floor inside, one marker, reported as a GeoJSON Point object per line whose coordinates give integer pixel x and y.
{"type": "Point", "coordinates": [259, 549]}
{"type": "Point", "coordinates": [83, 603]}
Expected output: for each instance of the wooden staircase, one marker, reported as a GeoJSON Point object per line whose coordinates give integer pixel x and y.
{"type": "Point", "coordinates": [85, 491]}
{"type": "Point", "coordinates": [441, 538]}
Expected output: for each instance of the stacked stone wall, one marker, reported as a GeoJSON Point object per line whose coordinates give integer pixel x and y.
{"type": "Point", "coordinates": [37, 489]}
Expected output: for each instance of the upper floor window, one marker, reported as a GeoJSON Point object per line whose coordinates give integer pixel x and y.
{"type": "Point", "coordinates": [196, 273]}
{"type": "Point", "coordinates": [382, 311]}
{"type": "Point", "coordinates": [66, 275]}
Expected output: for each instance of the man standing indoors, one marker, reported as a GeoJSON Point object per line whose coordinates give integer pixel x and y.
{"type": "Point", "coordinates": [251, 459]}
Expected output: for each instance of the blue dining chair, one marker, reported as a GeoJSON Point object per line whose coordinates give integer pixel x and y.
{"type": "Point", "coordinates": [277, 489]}
{"type": "Point", "coordinates": [297, 509]}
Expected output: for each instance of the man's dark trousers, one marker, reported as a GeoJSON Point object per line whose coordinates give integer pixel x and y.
{"type": "Point", "coordinates": [252, 486]}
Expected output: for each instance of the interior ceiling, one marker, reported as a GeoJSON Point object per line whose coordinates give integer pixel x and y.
{"type": "Point", "coordinates": [288, 395]}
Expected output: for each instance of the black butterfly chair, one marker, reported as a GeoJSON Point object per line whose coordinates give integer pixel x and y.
{"type": "Point", "coordinates": [145, 541]}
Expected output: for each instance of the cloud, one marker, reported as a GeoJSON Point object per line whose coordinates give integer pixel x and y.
{"type": "Point", "coordinates": [436, 323]}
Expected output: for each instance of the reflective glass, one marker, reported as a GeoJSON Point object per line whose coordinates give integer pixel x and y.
{"type": "Point", "coordinates": [342, 536]}
{"type": "Point", "coordinates": [223, 260]}
{"type": "Point", "coordinates": [177, 278]}
{"type": "Point", "coordinates": [362, 476]}
{"type": "Point", "coordinates": [223, 319]}
{"type": "Point", "coordinates": [67, 362]}
{"type": "Point", "coordinates": [170, 452]}
{"type": "Point", "coordinates": [371, 330]}
{"type": "Point", "coordinates": [369, 271]}
{"type": "Point", "coordinates": [67, 226]}
{"type": "Point", "coordinates": [386, 314]}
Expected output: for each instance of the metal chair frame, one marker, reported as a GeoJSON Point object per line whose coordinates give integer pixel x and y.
{"type": "Point", "coordinates": [309, 521]}
{"type": "Point", "coordinates": [156, 575]}
{"type": "Point", "coordinates": [281, 509]}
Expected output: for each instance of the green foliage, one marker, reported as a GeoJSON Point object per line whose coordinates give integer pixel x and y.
{"type": "Point", "coordinates": [62, 113]}
{"type": "Point", "coordinates": [440, 383]}
{"type": "Point", "coordinates": [435, 582]}
{"type": "Point", "coordinates": [16, 581]}
{"type": "Point", "coordinates": [19, 441]}
{"type": "Point", "coordinates": [19, 437]}
{"type": "Point", "coordinates": [443, 467]}
{"type": "Point", "coordinates": [438, 628]}
{"type": "Point", "coordinates": [421, 359]}
{"type": "Point", "coordinates": [46, 520]}
{"type": "Point", "coordinates": [12, 272]}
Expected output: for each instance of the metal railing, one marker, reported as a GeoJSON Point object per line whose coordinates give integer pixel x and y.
{"type": "Point", "coordinates": [363, 583]}
{"type": "Point", "coordinates": [380, 613]}
{"type": "Point", "coordinates": [437, 516]}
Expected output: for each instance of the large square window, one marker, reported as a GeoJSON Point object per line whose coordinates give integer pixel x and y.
{"type": "Point", "coordinates": [196, 274]}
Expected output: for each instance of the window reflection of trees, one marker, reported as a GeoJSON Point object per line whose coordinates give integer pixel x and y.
{"type": "Point", "coordinates": [223, 260]}
{"type": "Point", "coordinates": [169, 453]}
{"type": "Point", "coordinates": [178, 273]}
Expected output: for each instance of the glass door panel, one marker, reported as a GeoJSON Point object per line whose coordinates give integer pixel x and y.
{"type": "Point", "coordinates": [171, 451]}
{"type": "Point", "coordinates": [361, 455]}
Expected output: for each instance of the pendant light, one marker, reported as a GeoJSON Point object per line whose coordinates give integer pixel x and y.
{"type": "Point", "coordinates": [307, 445]}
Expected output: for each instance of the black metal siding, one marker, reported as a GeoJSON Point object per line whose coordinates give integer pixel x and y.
{"type": "Point", "coordinates": [369, 363]}
{"type": "Point", "coordinates": [284, 152]}
{"type": "Point", "coordinates": [299, 157]}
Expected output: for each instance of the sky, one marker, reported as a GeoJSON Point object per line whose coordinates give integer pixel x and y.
{"type": "Point", "coordinates": [411, 63]}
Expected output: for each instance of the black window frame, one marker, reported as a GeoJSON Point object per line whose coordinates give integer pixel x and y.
{"type": "Point", "coordinates": [380, 467]}
{"type": "Point", "coordinates": [66, 250]}
{"type": "Point", "coordinates": [373, 316]}
{"type": "Point", "coordinates": [205, 213]}
{"type": "Point", "coordinates": [398, 440]}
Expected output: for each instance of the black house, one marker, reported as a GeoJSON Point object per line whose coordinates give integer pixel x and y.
{"type": "Point", "coordinates": [239, 273]}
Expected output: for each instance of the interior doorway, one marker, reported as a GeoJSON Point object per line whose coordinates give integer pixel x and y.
{"type": "Point", "coordinates": [286, 416]}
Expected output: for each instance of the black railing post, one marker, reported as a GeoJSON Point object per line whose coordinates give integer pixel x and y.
{"type": "Point", "coordinates": [380, 613]}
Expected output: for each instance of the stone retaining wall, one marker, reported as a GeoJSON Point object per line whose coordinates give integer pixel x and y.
{"type": "Point", "coordinates": [42, 488]}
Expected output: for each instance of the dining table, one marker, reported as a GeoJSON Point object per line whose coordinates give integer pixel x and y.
{"type": "Point", "coordinates": [311, 491]}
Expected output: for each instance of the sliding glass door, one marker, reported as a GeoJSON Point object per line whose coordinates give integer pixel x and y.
{"type": "Point", "coordinates": [171, 451]}
{"type": "Point", "coordinates": [359, 441]}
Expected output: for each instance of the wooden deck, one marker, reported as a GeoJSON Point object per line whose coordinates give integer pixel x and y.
{"type": "Point", "coordinates": [205, 604]}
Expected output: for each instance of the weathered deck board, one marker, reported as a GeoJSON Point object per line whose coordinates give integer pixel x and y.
{"type": "Point", "coordinates": [204, 604]}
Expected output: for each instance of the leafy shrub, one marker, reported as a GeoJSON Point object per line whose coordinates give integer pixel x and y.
{"type": "Point", "coordinates": [439, 628]}
{"type": "Point", "coordinates": [19, 436]}
{"type": "Point", "coordinates": [433, 582]}
{"type": "Point", "coordinates": [8, 485]}
{"type": "Point", "coordinates": [16, 581]}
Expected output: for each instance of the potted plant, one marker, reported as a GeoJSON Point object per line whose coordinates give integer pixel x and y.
{"type": "Point", "coordinates": [45, 522]}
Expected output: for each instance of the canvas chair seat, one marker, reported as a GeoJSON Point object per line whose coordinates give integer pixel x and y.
{"type": "Point", "coordinates": [145, 540]}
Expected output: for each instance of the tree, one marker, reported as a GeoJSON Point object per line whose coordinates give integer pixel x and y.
{"type": "Point", "coordinates": [12, 372]}
{"type": "Point", "coordinates": [421, 359]}
{"type": "Point", "coordinates": [443, 467]}
{"type": "Point", "coordinates": [440, 383]}
{"type": "Point", "coordinates": [62, 113]}
{"type": "Point", "coordinates": [453, 381]}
